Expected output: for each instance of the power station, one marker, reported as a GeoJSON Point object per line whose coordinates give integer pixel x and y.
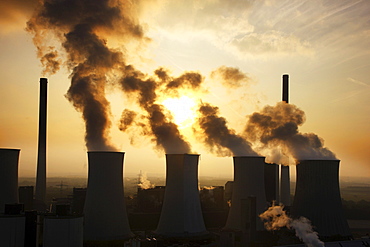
{"type": "Point", "coordinates": [99, 213]}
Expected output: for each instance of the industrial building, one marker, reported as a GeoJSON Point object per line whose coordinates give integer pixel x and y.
{"type": "Point", "coordinates": [317, 198]}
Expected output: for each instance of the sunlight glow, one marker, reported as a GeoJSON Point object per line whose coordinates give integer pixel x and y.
{"type": "Point", "coordinates": [182, 110]}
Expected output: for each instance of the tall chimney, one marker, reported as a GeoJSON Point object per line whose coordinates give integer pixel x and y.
{"type": "Point", "coordinates": [105, 209]}
{"type": "Point", "coordinates": [181, 214]}
{"type": "Point", "coordinates": [286, 88]}
{"type": "Point", "coordinates": [317, 198]}
{"type": "Point", "coordinates": [8, 177]}
{"type": "Point", "coordinates": [40, 193]}
{"type": "Point", "coordinates": [284, 171]}
{"type": "Point", "coordinates": [248, 181]}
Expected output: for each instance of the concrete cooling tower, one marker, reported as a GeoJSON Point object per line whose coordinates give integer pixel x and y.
{"type": "Point", "coordinates": [248, 181]}
{"type": "Point", "coordinates": [181, 214]}
{"type": "Point", "coordinates": [105, 209]}
{"type": "Point", "coordinates": [8, 177]}
{"type": "Point", "coordinates": [317, 197]}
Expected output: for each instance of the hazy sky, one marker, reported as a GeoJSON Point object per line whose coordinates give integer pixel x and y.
{"type": "Point", "coordinates": [324, 46]}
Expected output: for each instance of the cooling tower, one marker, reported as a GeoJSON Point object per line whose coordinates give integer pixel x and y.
{"type": "Point", "coordinates": [248, 181]}
{"type": "Point", "coordinates": [105, 209]}
{"type": "Point", "coordinates": [181, 214]}
{"type": "Point", "coordinates": [40, 192]}
{"type": "Point", "coordinates": [271, 178]}
{"type": "Point", "coordinates": [285, 185]}
{"type": "Point", "coordinates": [8, 177]}
{"type": "Point", "coordinates": [317, 197]}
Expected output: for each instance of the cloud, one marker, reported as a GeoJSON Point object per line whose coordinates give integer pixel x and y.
{"type": "Point", "coordinates": [271, 42]}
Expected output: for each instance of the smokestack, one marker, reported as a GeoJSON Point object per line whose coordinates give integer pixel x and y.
{"type": "Point", "coordinates": [181, 211]}
{"type": "Point", "coordinates": [105, 209]}
{"type": "Point", "coordinates": [317, 197]}
{"type": "Point", "coordinates": [284, 171]}
{"type": "Point", "coordinates": [8, 177]}
{"type": "Point", "coordinates": [286, 88]}
{"type": "Point", "coordinates": [40, 193]}
{"type": "Point", "coordinates": [248, 181]}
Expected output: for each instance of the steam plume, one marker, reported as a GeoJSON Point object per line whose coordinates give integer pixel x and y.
{"type": "Point", "coordinates": [217, 136]}
{"type": "Point", "coordinates": [276, 127]}
{"type": "Point", "coordinates": [82, 27]}
{"type": "Point", "coordinates": [276, 218]}
{"type": "Point", "coordinates": [144, 183]}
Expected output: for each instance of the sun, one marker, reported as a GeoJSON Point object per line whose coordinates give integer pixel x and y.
{"type": "Point", "coordinates": [182, 109]}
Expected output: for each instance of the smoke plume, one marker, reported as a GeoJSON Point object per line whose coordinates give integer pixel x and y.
{"type": "Point", "coordinates": [275, 218]}
{"type": "Point", "coordinates": [144, 183]}
{"type": "Point", "coordinates": [275, 131]}
{"type": "Point", "coordinates": [82, 27]}
{"type": "Point", "coordinates": [230, 77]}
{"type": "Point", "coordinates": [162, 130]}
{"type": "Point", "coordinates": [215, 133]}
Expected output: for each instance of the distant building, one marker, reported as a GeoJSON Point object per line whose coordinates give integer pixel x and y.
{"type": "Point", "coordinates": [150, 200]}
{"type": "Point", "coordinates": [78, 201]}
{"type": "Point", "coordinates": [26, 196]}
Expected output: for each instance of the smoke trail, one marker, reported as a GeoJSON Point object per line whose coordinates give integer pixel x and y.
{"type": "Point", "coordinates": [230, 77]}
{"type": "Point", "coordinates": [217, 136]}
{"type": "Point", "coordinates": [276, 127]}
{"type": "Point", "coordinates": [144, 183]}
{"type": "Point", "coordinates": [82, 27]}
{"type": "Point", "coordinates": [276, 218]}
{"type": "Point", "coordinates": [163, 131]}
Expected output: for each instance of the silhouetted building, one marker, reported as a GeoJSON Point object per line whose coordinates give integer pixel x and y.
{"type": "Point", "coordinates": [212, 198]}
{"type": "Point", "coordinates": [8, 177]}
{"type": "Point", "coordinates": [105, 216]}
{"type": "Point", "coordinates": [317, 198]}
{"type": "Point", "coordinates": [26, 196]}
{"type": "Point", "coordinates": [228, 191]}
{"type": "Point", "coordinates": [272, 182]}
{"type": "Point", "coordinates": [248, 181]}
{"type": "Point", "coordinates": [150, 200]}
{"type": "Point", "coordinates": [78, 201]}
{"type": "Point", "coordinates": [181, 214]}
{"type": "Point", "coordinates": [12, 226]}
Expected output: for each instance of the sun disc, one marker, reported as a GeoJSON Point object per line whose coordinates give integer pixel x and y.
{"type": "Point", "coordinates": [182, 110]}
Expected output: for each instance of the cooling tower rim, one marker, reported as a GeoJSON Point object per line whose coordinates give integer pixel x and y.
{"type": "Point", "coordinates": [182, 154]}
{"type": "Point", "coordinates": [248, 156]}
{"type": "Point", "coordinates": [304, 160]}
{"type": "Point", "coordinates": [10, 149]}
{"type": "Point", "coordinates": [105, 152]}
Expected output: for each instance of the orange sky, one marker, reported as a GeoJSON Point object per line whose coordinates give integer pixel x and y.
{"type": "Point", "coordinates": [323, 46]}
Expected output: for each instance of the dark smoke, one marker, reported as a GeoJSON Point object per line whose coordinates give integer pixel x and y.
{"type": "Point", "coordinates": [127, 119]}
{"type": "Point", "coordinates": [163, 131]}
{"type": "Point", "coordinates": [217, 136]}
{"type": "Point", "coordinates": [275, 129]}
{"type": "Point", "coordinates": [80, 26]}
{"type": "Point", "coordinates": [230, 77]}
